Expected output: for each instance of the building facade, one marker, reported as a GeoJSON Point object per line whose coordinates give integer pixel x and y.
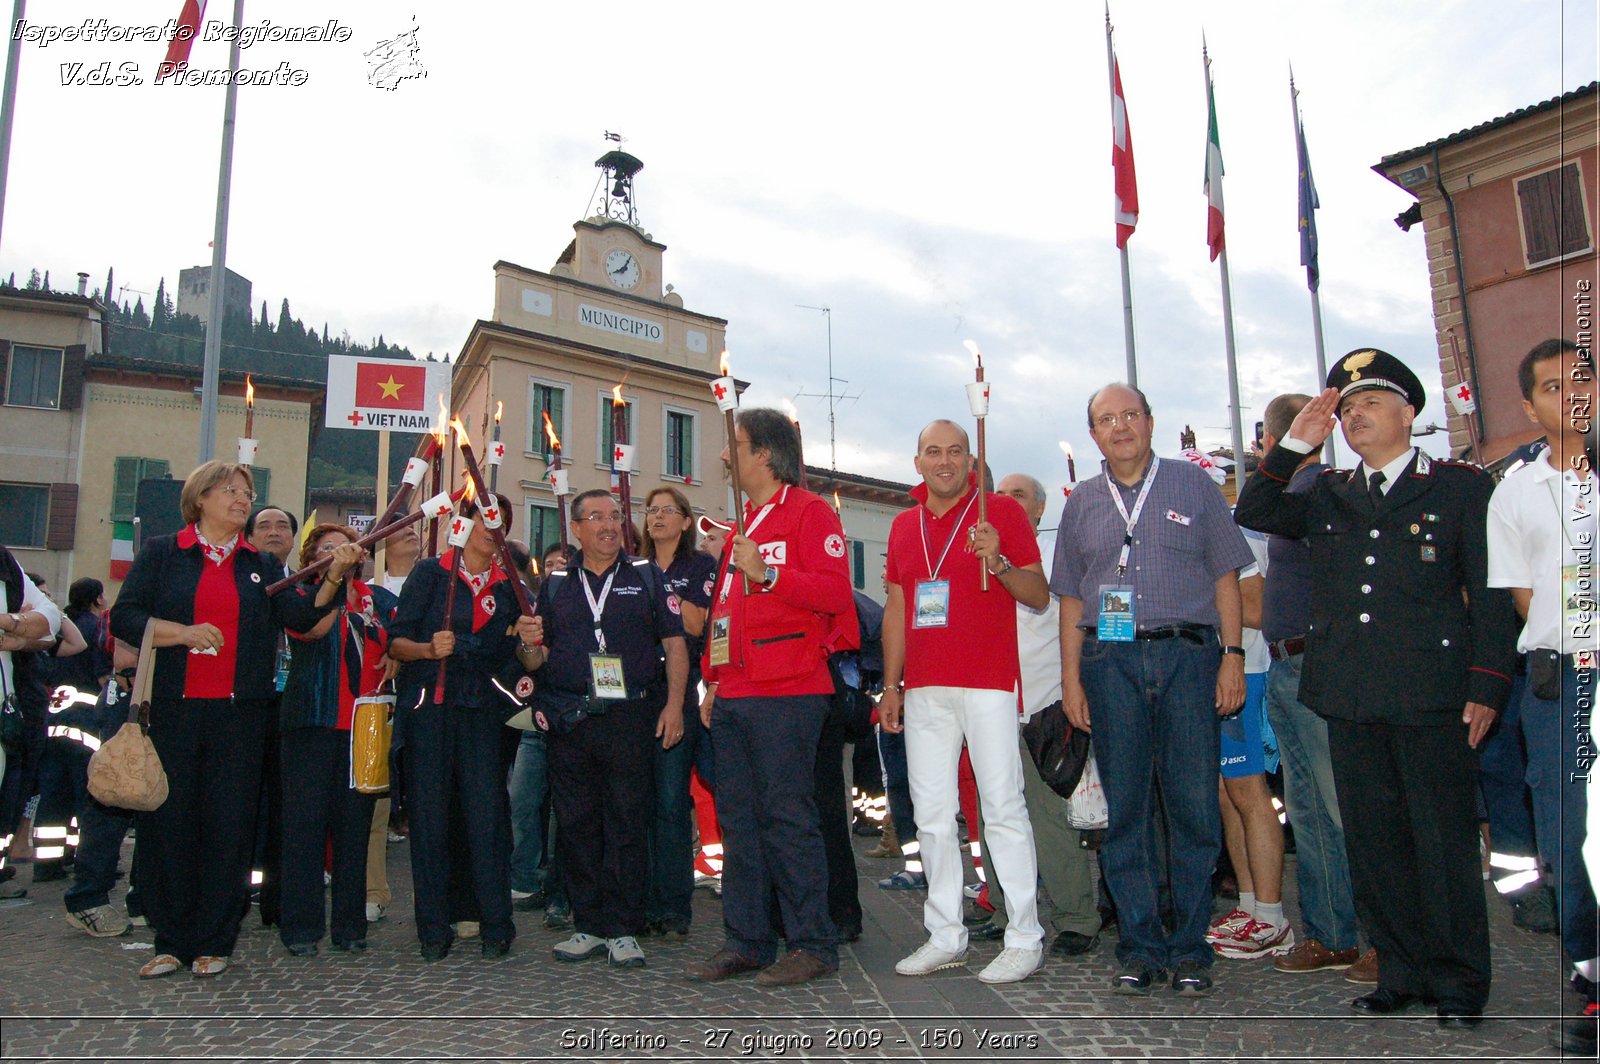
{"type": "Point", "coordinates": [1508, 210]}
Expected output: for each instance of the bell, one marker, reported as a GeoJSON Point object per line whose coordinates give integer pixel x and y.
{"type": "Point", "coordinates": [620, 188]}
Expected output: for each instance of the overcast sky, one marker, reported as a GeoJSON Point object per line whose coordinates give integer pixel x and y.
{"type": "Point", "coordinates": [930, 171]}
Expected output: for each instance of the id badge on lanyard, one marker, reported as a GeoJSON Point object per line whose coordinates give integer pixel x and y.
{"type": "Point", "coordinates": [1114, 621]}
{"type": "Point", "coordinates": [605, 670]}
{"type": "Point", "coordinates": [720, 642]}
{"type": "Point", "coordinates": [931, 599]}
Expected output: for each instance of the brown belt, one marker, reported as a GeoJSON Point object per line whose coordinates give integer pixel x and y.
{"type": "Point", "coordinates": [1286, 648]}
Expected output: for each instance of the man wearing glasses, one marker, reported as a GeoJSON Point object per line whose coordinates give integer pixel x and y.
{"type": "Point", "coordinates": [612, 684]}
{"type": "Point", "coordinates": [1147, 566]}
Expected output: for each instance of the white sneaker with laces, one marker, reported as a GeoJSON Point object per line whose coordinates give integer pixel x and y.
{"type": "Point", "coordinates": [929, 959]}
{"type": "Point", "coordinates": [100, 921]}
{"type": "Point", "coordinates": [625, 952]}
{"type": "Point", "coordinates": [1256, 939]}
{"type": "Point", "coordinates": [1013, 965]}
{"type": "Point", "coordinates": [1227, 926]}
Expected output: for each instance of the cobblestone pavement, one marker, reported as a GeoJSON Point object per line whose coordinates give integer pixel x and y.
{"type": "Point", "coordinates": [64, 996]}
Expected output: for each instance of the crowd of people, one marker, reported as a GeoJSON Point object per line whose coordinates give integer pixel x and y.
{"type": "Point", "coordinates": [1379, 629]}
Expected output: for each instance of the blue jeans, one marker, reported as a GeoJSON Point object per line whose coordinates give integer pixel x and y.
{"type": "Point", "coordinates": [1502, 777]}
{"type": "Point", "coordinates": [671, 888]}
{"type": "Point", "coordinates": [529, 789]}
{"type": "Point", "coordinates": [1322, 870]}
{"type": "Point", "coordinates": [1555, 731]}
{"type": "Point", "coordinates": [1153, 709]}
{"type": "Point", "coordinates": [897, 784]}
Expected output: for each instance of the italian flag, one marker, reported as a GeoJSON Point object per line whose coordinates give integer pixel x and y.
{"type": "Point", "coordinates": [121, 549]}
{"type": "Point", "coordinates": [1213, 186]}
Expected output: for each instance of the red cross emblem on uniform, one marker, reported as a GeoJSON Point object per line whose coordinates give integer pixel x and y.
{"type": "Point", "coordinates": [1464, 393]}
{"type": "Point", "coordinates": [719, 390]}
{"type": "Point", "coordinates": [354, 418]}
{"type": "Point", "coordinates": [456, 527]}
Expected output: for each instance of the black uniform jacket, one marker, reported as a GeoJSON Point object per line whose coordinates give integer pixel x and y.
{"type": "Point", "coordinates": [1404, 627]}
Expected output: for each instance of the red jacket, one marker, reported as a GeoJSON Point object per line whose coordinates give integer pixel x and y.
{"type": "Point", "coordinates": [780, 639]}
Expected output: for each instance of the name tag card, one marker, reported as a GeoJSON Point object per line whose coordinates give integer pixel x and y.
{"type": "Point", "coordinates": [605, 677]}
{"type": "Point", "coordinates": [1114, 623]}
{"type": "Point", "coordinates": [932, 604]}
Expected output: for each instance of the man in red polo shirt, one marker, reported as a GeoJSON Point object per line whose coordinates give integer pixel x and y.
{"type": "Point", "coordinates": [951, 647]}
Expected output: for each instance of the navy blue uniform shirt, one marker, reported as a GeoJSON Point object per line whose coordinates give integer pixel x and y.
{"type": "Point", "coordinates": [634, 622]}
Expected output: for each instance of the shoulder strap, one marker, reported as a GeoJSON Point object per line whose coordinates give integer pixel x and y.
{"type": "Point", "coordinates": [143, 677]}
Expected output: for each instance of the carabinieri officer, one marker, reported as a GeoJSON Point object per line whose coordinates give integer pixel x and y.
{"type": "Point", "coordinates": [1409, 657]}
{"type": "Point", "coordinates": [612, 685]}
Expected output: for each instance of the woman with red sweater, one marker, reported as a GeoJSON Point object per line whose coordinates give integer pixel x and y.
{"type": "Point", "coordinates": [206, 590]}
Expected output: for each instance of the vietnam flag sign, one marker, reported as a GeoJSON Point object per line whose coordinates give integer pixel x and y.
{"type": "Point", "coordinates": [385, 393]}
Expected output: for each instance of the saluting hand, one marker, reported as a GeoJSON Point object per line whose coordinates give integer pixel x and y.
{"type": "Point", "coordinates": [1314, 424]}
{"type": "Point", "coordinates": [1478, 718]}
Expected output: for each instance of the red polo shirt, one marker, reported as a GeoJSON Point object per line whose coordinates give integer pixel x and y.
{"type": "Point", "coordinates": [978, 647]}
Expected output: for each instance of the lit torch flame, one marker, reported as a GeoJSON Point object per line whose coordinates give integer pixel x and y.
{"type": "Point", "coordinates": [1066, 449]}
{"type": "Point", "coordinates": [468, 492]}
{"type": "Point", "coordinates": [550, 432]}
{"type": "Point", "coordinates": [461, 435]}
{"type": "Point", "coordinates": [973, 347]}
{"type": "Point", "coordinates": [249, 391]}
{"type": "Point", "coordinates": [616, 395]}
{"type": "Point", "coordinates": [533, 564]}
{"type": "Point", "coordinates": [838, 507]}
{"type": "Point", "coordinates": [788, 408]}
{"type": "Point", "coordinates": [499, 408]}
{"type": "Point", "coordinates": [722, 367]}
{"type": "Point", "coordinates": [441, 428]}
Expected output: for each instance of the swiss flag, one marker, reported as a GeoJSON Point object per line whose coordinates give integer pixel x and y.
{"type": "Point", "coordinates": [391, 386]}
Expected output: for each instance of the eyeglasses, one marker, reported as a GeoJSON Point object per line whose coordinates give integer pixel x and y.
{"type": "Point", "coordinates": [662, 511]}
{"type": "Point", "coordinates": [1127, 417]}
{"type": "Point", "coordinates": [602, 519]}
{"type": "Point", "coordinates": [329, 548]}
{"type": "Point", "coordinates": [231, 491]}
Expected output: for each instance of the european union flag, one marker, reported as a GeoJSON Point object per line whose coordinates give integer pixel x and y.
{"type": "Point", "coordinates": [1308, 207]}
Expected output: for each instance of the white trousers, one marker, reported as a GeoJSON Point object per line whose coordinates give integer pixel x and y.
{"type": "Point", "coordinates": [937, 719]}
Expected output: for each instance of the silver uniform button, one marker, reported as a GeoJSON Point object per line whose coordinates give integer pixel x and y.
{"type": "Point", "coordinates": [1371, 560]}
{"type": "Point", "coordinates": [1373, 533]}
{"type": "Point", "coordinates": [1366, 589]}
{"type": "Point", "coordinates": [1446, 642]}
{"type": "Point", "coordinates": [1365, 617]}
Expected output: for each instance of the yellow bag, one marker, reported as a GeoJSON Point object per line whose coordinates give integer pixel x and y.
{"type": "Point", "coordinates": [370, 731]}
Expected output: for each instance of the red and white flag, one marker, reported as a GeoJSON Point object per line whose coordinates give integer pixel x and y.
{"type": "Point", "coordinates": [183, 36]}
{"type": "Point", "coordinates": [1461, 398]}
{"type": "Point", "coordinates": [1124, 182]}
{"type": "Point", "coordinates": [1213, 186]}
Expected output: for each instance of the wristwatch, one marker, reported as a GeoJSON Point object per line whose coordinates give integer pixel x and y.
{"type": "Point", "coordinates": [1233, 650]}
{"type": "Point", "coordinates": [1005, 566]}
{"type": "Point", "coordinates": [769, 578]}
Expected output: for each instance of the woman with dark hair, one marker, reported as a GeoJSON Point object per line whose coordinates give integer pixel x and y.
{"type": "Point", "coordinates": [454, 748]}
{"type": "Point", "coordinates": [338, 657]}
{"type": "Point", "coordinates": [217, 633]}
{"type": "Point", "coordinates": [690, 574]}
{"type": "Point", "coordinates": [86, 604]}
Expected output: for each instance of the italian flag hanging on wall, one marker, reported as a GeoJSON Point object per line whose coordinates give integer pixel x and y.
{"type": "Point", "coordinates": [121, 549]}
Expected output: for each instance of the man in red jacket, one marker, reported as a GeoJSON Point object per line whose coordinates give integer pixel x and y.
{"type": "Point", "coordinates": [782, 604]}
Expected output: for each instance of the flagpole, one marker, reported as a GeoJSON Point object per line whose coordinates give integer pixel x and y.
{"type": "Point", "coordinates": [1236, 418]}
{"type": "Point", "coordinates": [1122, 252]}
{"type": "Point", "coordinates": [8, 106]}
{"type": "Point", "coordinates": [219, 254]}
{"type": "Point", "coordinates": [1316, 294]}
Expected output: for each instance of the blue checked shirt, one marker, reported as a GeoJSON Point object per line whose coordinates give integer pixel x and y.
{"type": "Point", "coordinates": [1184, 541]}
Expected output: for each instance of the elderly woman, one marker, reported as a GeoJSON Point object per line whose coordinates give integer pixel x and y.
{"type": "Point", "coordinates": [206, 590]}
{"type": "Point", "coordinates": [454, 748]}
{"type": "Point", "coordinates": [337, 658]}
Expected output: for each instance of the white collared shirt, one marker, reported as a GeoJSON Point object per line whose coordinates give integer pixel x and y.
{"type": "Point", "coordinates": [1391, 472]}
{"type": "Point", "coordinates": [33, 600]}
{"type": "Point", "coordinates": [1541, 519]}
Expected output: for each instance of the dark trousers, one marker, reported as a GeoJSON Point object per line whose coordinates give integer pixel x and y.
{"type": "Point", "coordinates": [897, 784]}
{"type": "Point", "coordinates": [1407, 796]}
{"type": "Point", "coordinates": [456, 750]}
{"type": "Point", "coordinates": [602, 786]}
{"type": "Point", "coordinates": [101, 830]}
{"type": "Point", "coordinates": [318, 801]}
{"type": "Point", "coordinates": [672, 829]}
{"type": "Point", "coordinates": [194, 851]}
{"type": "Point", "coordinates": [833, 816]}
{"type": "Point", "coordinates": [268, 853]}
{"type": "Point", "coordinates": [767, 806]}
{"type": "Point", "coordinates": [1503, 777]}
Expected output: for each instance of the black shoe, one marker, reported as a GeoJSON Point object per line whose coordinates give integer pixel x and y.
{"type": "Point", "coordinates": [355, 945]}
{"type": "Point", "coordinates": [436, 951]}
{"type": "Point", "coordinates": [1136, 977]}
{"type": "Point", "coordinates": [976, 915]}
{"type": "Point", "coordinates": [558, 917]}
{"type": "Point", "coordinates": [866, 829]}
{"type": "Point", "coordinates": [1072, 944]}
{"type": "Point", "coordinates": [1383, 1001]}
{"type": "Point", "coordinates": [1577, 1035]}
{"type": "Point", "coordinates": [1533, 909]}
{"type": "Point", "coordinates": [848, 932]}
{"type": "Point", "coordinates": [988, 931]}
{"type": "Point", "coordinates": [1191, 979]}
{"type": "Point", "coordinates": [670, 929]}
{"type": "Point", "coordinates": [531, 904]}
{"type": "Point", "coordinates": [48, 871]}
{"type": "Point", "coordinates": [1459, 1017]}
{"type": "Point", "coordinates": [302, 949]}
{"type": "Point", "coordinates": [496, 950]}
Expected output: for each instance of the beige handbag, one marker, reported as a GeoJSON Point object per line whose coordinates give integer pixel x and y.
{"type": "Point", "coordinates": [125, 772]}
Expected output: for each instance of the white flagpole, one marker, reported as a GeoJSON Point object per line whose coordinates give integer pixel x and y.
{"type": "Point", "coordinates": [8, 105]}
{"type": "Point", "coordinates": [1316, 293]}
{"type": "Point", "coordinates": [1236, 418]}
{"type": "Point", "coordinates": [1127, 281]}
{"type": "Point", "coordinates": [219, 254]}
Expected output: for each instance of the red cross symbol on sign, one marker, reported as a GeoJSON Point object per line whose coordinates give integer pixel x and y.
{"type": "Point", "coordinates": [719, 390]}
{"type": "Point", "coordinates": [1464, 393]}
{"type": "Point", "coordinates": [617, 455]}
{"type": "Point", "coordinates": [354, 418]}
{"type": "Point", "coordinates": [456, 526]}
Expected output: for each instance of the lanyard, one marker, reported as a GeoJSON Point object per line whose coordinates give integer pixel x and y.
{"type": "Point", "coordinates": [1131, 521]}
{"type": "Point", "coordinates": [598, 606]}
{"type": "Point", "coordinates": [750, 532]}
{"type": "Point", "coordinates": [934, 567]}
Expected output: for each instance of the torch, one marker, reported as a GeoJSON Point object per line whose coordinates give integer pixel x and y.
{"type": "Point", "coordinates": [460, 530]}
{"type": "Point", "coordinates": [247, 442]}
{"type": "Point", "coordinates": [497, 450]}
{"type": "Point", "coordinates": [978, 400]}
{"type": "Point", "coordinates": [558, 480]}
{"type": "Point", "coordinates": [727, 397]}
{"type": "Point", "coordinates": [622, 461]}
{"type": "Point", "coordinates": [435, 508]}
{"type": "Point", "coordinates": [794, 419]}
{"type": "Point", "coordinates": [489, 512]}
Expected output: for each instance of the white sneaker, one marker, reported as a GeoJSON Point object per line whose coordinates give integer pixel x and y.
{"type": "Point", "coordinates": [1013, 965]}
{"type": "Point", "coordinates": [625, 952]}
{"type": "Point", "coordinates": [929, 959]}
{"type": "Point", "coordinates": [1256, 939]}
{"type": "Point", "coordinates": [101, 921]}
{"type": "Point", "coordinates": [971, 891]}
{"type": "Point", "coordinates": [579, 947]}
{"type": "Point", "coordinates": [375, 911]}
{"type": "Point", "coordinates": [1227, 925]}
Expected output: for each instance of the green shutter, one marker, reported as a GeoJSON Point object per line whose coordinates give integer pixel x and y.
{"type": "Point", "coordinates": [263, 481]}
{"type": "Point", "coordinates": [124, 488]}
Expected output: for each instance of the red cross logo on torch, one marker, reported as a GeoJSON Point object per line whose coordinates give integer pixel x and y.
{"type": "Point", "coordinates": [490, 515]}
{"type": "Point", "coordinates": [1464, 393]}
{"type": "Point", "coordinates": [456, 526]}
{"type": "Point", "coordinates": [719, 391]}
{"type": "Point", "coordinates": [497, 449]}
{"type": "Point", "coordinates": [617, 455]}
